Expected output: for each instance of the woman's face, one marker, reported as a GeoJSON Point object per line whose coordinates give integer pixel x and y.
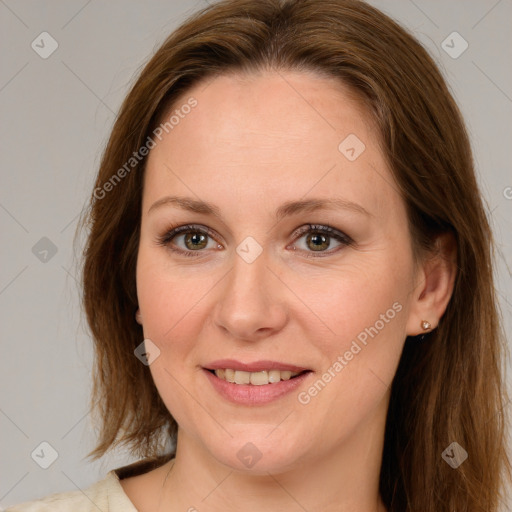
{"type": "Point", "coordinates": [251, 287]}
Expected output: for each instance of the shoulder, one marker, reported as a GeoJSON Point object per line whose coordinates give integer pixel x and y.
{"type": "Point", "coordinates": [106, 495]}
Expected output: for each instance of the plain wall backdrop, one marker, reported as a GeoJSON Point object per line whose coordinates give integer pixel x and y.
{"type": "Point", "coordinates": [56, 113]}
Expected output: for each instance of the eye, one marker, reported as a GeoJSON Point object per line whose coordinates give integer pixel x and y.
{"type": "Point", "coordinates": [318, 239]}
{"type": "Point", "coordinates": [195, 238]}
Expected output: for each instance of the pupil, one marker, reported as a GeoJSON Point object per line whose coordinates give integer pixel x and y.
{"type": "Point", "coordinates": [196, 239]}
{"type": "Point", "coordinates": [318, 240]}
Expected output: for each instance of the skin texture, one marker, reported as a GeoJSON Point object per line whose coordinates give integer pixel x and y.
{"type": "Point", "coordinates": [252, 143]}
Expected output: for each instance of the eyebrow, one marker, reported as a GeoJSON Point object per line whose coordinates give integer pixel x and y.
{"type": "Point", "coordinates": [286, 209]}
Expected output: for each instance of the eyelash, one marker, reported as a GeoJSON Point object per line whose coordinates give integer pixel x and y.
{"type": "Point", "coordinates": [173, 231]}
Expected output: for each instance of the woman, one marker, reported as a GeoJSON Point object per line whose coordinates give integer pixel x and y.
{"type": "Point", "coordinates": [287, 214]}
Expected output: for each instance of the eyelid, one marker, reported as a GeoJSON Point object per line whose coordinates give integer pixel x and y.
{"type": "Point", "coordinates": [338, 235]}
{"type": "Point", "coordinates": [175, 230]}
{"type": "Point", "coordinates": [322, 228]}
{"type": "Point", "coordinates": [172, 231]}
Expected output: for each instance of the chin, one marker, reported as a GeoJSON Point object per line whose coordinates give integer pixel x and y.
{"type": "Point", "coordinates": [258, 453]}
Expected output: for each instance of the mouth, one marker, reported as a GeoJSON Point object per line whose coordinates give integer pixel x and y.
{"type": "Point", "coordinates": [254, 383]}
{"type": "Point", "coordinates": [260, 378]}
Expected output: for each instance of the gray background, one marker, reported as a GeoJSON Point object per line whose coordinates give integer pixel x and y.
{"type": "Point", "coordinates": [56, 114]}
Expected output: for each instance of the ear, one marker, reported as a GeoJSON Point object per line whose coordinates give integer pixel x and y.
{"type": "Point", "coordinates": [138, 317]}
{"type": "Point", "coordinates": [435, 279]}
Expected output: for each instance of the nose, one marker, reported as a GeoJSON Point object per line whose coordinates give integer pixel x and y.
{"type": "Point", "coordinates": [251, 301]}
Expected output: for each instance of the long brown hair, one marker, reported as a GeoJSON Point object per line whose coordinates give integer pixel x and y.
{"type": "Point", "coordinates": [449, 386]}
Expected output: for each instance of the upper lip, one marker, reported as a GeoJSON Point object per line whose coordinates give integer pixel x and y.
{"type": "Point", "coordinates": [255, 366]}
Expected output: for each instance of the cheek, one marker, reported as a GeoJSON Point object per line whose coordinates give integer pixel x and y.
{"type": "Point", "coordinates": [362, 301]}
{"type": "Point", "coordinates": [168, 297]}
{"type": "Point", "coordinates": [356, 300]}
{"type": "Point", "coordinates": [366, 312]}
{"type": "Point", "coordinates": [169, 305]}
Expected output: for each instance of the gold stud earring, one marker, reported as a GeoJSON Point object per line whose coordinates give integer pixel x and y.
{"type": "Point", "coordinates": [425, 325]}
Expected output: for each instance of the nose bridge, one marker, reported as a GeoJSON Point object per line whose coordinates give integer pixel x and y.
{"type": "Point", "coordinates": [251, 300]}
{"type": "Point", "coordinates": [249, 279]}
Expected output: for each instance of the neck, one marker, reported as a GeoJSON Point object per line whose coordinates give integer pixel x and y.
{"type": "Point", "coordinates": [344, 479]}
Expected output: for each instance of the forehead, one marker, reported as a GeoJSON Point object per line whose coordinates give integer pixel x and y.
{"type": "Point", "coordinates": [270, 134]}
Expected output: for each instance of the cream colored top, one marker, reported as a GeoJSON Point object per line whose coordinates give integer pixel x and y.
{"type": "Point", "coordinates": [106, 495]}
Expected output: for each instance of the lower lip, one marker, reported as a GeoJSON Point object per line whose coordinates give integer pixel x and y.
{"type": "Point", "coordinates": [248, 394]}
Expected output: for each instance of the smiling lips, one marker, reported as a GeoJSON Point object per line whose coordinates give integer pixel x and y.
{"type": "Point", "coordinates": [255, 378]}
{"type": "Point", "coordinates": [258, 373]}
{"type": "Point", "coordinates": [254, 383]}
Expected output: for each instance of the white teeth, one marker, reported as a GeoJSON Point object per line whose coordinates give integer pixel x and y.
{"type": "Point", "coordinates": [242, 377]}
{"type": "Point", "coordinates": [274, 376]}
{"type": "Point", "coordinates": [254, 378]}
{"type": "Point", "coordinates": [259, 378]}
